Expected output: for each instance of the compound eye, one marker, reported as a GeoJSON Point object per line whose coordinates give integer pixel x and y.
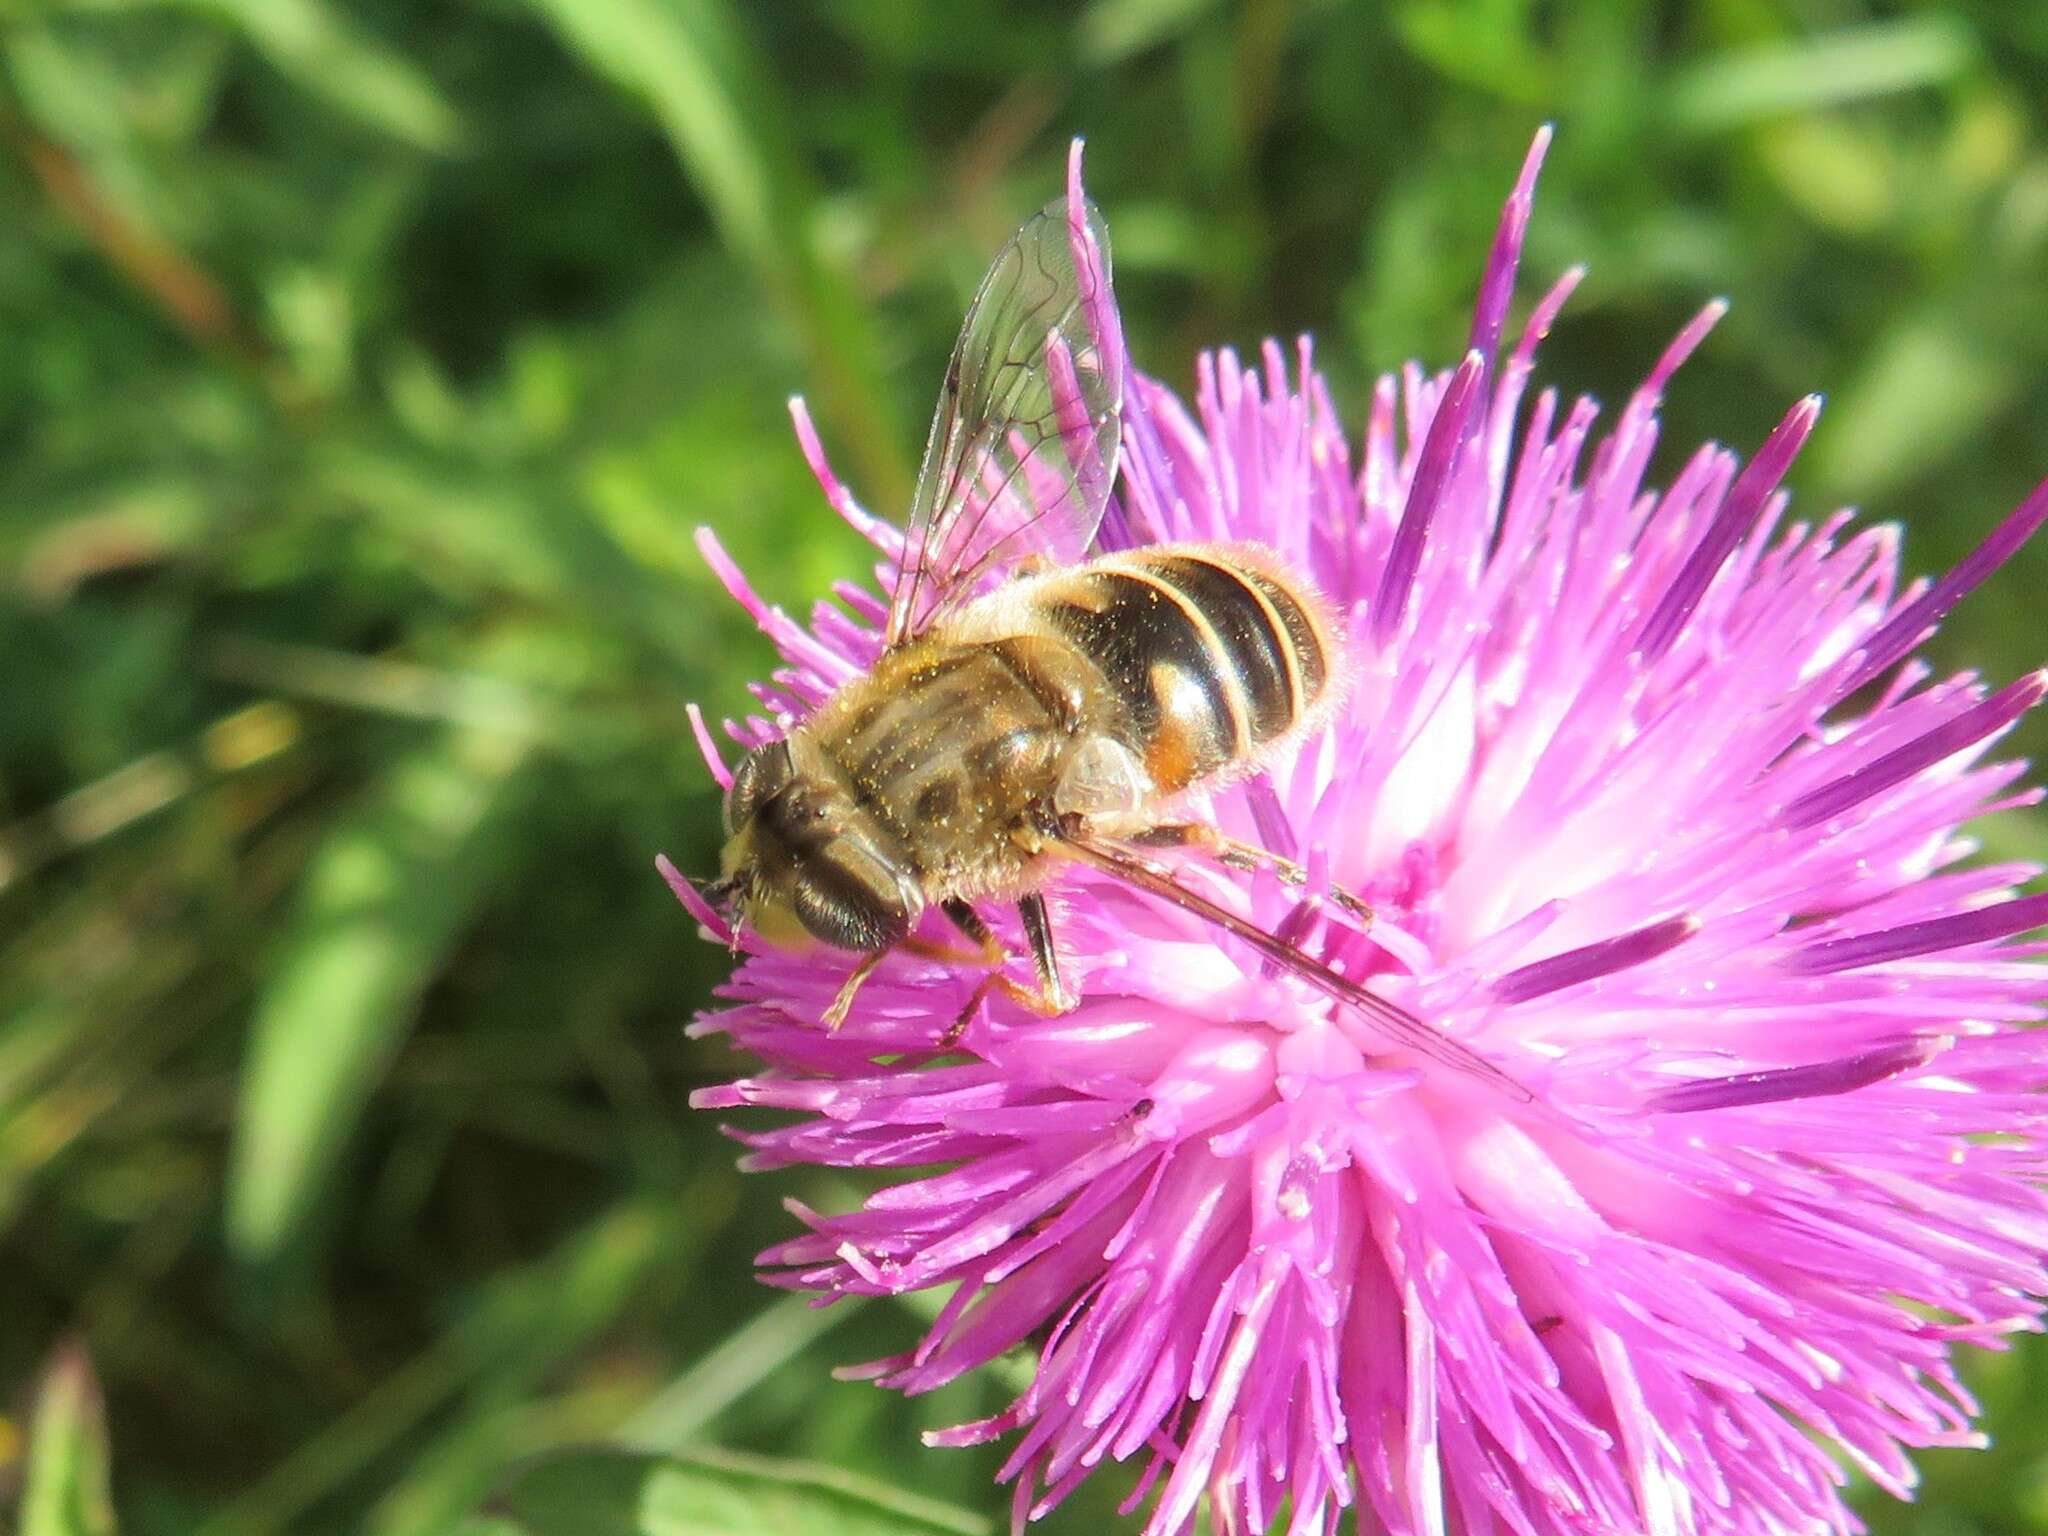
{"type": "Point", "coordinates": [763, 773]}
{"type": "Point", "coordinates": [850, 897]}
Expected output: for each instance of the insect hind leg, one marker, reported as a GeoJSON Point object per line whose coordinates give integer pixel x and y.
{"type": "Point", "coordinates": [1395, 1025]}
{"type": "Point", "coordinates": [1234, 853]}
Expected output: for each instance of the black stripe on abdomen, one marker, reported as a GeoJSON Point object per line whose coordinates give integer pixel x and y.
{"type": "Point", "coordinates": [1157, 654]}
{"type": "Point", "coordinates": [1305, 638]}
{"type": "Point", "coordinates": [1250, 626]}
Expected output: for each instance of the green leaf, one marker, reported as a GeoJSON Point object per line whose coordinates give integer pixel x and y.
{"type": "Point", "coordinates": [1927, 386]}
{"type": "Point", "coordinates": [1113, 30]}
{"type": "Point", "coordinates": [387, 893]}
{"type": "Point", "coordinates": [523, 1330]}
{"type": "Point", "coordinates": [616, 1493]}
{"type": "Point", "coordinates": [1842, 174]}
{"type": "Point", "coordinates": [67, 1492]}
{"type": "Point", "coordinates": [509, 1336]}
{"type": "Point", "coordinates": [330, 58]}
{"type": "Point", "coordinates": [686, 61]}
{"type": "Point", "coordinates": [1732, 89]}
{"type": "Point", "coordinates": [75, 90]}
{"type": "Point", "coordinates": [1488, 44]}
{"type": "Point", "coordinates": [740, 1361]}
{"type": "Point", "coordinates": [692, 64]}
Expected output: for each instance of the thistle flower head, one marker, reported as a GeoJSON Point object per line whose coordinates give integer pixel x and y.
{"type": "Point", "coordinates": [1658, 811]}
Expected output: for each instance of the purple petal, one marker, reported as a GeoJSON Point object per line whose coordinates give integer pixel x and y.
{"type": "Point", "coordinates": [1591, 961]}
{"type": "Point", "coordinates": [1917, 620]}
{"type": "Point", "coordinates": [1425, 492]}
{"type": "Point", "coordinates": [1907, 762]}
{"type": "Point", "coordinates": [713, 758]}
{"type": "Point", "coordinates": [1930, 937]}
{"type": "Point", "coordinates": [1497, 285]}
{"type": "Point", "coordinates": [1820, 1080]}
{"type": "Point", "coordinates": [1737, 514]}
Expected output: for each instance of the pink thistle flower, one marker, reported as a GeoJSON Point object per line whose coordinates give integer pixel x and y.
{"type": "Point", "coordinates": [1660, 813]}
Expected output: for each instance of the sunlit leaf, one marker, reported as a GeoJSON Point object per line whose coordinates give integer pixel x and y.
{"type": "Point", "coordinates": [1114, 29]}
{"type": "Point", "coordinates": [1926, 388]}
{"type": "Point", "coordinates": [330, 57]}
{"type": "Point", "coordinates": [68, 1475]}
{"type": "Point", "coordinates": [1843, 177]}
{"type": "Point", "coordinates": [1485, 43]}
{"type": "Point", "coordinates": [691, 63]}
{"type": "Point", "coordinates": [1855, 64]}
{"type": "Point", "coordinates": [387, 893]}
{"type": "Point", "coordinates": [617, 1493]}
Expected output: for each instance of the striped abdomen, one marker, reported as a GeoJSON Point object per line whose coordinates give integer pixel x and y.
{"type": "Point", "coordinates": [1209, 653]}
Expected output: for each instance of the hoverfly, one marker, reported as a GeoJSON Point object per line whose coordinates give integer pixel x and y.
{"type": "Point", "coordinates": [1039, 701]}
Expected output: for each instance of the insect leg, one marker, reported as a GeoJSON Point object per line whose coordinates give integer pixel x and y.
{"type": "Point", "coordinates": [989, 948]}
{"type": "Point", "coordinates": [1048, 999]}
{"type": "Point", "coordinates": [1038, 929]}
{"type": "Point", "coordinates": [843, 1003]}
{"type": "Point", "coordinates": [1393, 1023]}
{"type": "Point", "coordinates": [1234, 854]}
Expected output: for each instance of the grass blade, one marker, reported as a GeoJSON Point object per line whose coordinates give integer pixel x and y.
{"type": "Point", "coordinates": [512, 1334]}
{"type": "Point", "coordinates": [775, 1335]}
{"type": "Point", "coordinates": [618, 1493]}
{"type": "Point", "coordinates": [351, 71]}
{"type": "Point", "coordinates": [692, 65]}
{"type": "Point", "coordinates": [386, 894]}
{"type": "Point", "coordinates": [1733, 89]}
{"type": "Point", "coordinates": [68, 1478]}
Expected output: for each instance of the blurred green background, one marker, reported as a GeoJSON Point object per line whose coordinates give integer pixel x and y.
{"type": "Point", "coordinates": [365, 371]}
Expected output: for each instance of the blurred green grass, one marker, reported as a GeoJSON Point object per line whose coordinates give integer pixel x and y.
{"type": "Point", "coordinates": [366, 370]}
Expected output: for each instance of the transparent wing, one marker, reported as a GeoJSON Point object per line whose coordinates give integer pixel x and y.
{"type": "Point", "coordinates": [1023, 446]}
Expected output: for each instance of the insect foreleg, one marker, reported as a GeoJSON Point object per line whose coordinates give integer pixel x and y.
{"type": "Point", "coordinates": [988, 951]}
{"type": "Point", "coordinates": [843, 1003]}
{"type": "Point", "coordinates": [1048, 999]}
{"type": "Point", "coordinates": [988, 948]}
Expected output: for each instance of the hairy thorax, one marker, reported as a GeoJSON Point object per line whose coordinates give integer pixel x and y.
{"type": "Point", "coordinates": [952, 749]}
{"type": "Point", "coordinates": [1104, 690]}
